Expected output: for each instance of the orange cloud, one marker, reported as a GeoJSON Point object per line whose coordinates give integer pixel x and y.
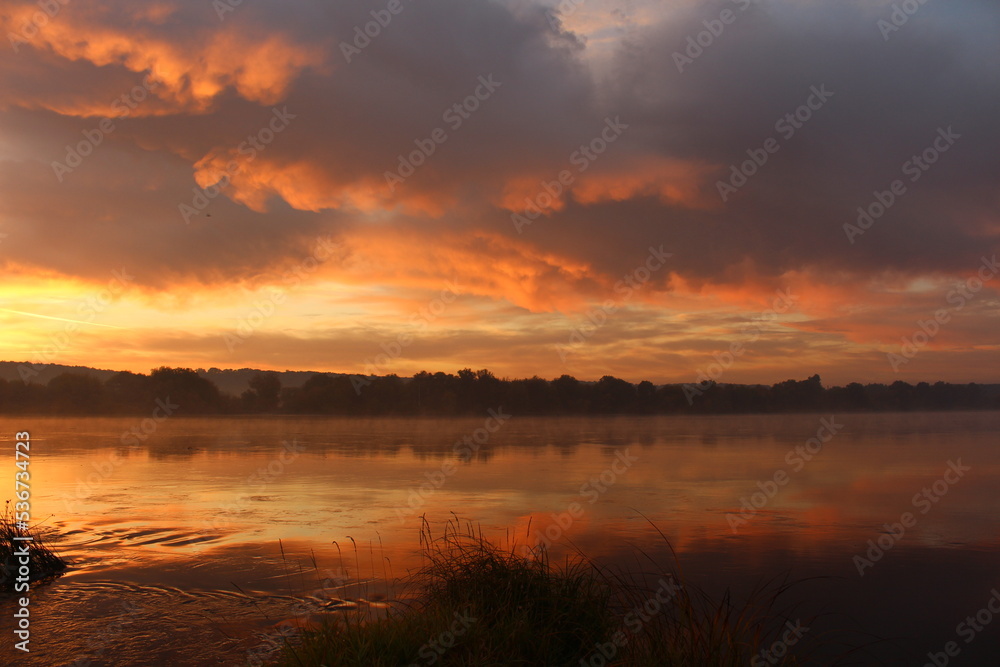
{"type": "Point", "coordinates": [678, 182]}
{"type": "Point", "coordinates": [482, 263]}
{"type": "Point", "coordinates": [308, 186]}
{"type": "Point", "coordinates": [188, 74]}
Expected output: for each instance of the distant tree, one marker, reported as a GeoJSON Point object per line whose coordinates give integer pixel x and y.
{"type": "Point", "coordinates": [613, 395]}
{"type": "Point", "coordinates": [313, 397]}
{"type": "Point", "coordinates": [264, 393]}
{"type": "Point", "coordinates": [798, 395]}
{"type": "Point", "coordinates": [385, 396]}
{"type": "Point", "coordinates": [671, 398]}
{"type": "Point", "coordinates": [468, 393]}
{"type": "Point", "coordinates": [75, 393]}
{"type": "Point", "coordinates": [185, 388]}
{"type": "Point", "coordinates": [129, 393]}
{"type": "Point", "coordinates": [646, 397]}
{"type": "Point", "coordinates": [567, 395]}
{"type": "Point", "coordinates": [857, 397]}
{"type": "Point", "coordinates": [901, 395]}
{"type": "Point", "coordinates": [530, 396]}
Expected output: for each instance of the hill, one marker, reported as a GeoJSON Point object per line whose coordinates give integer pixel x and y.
{"type": "Point", "coordinates": [229, 381]}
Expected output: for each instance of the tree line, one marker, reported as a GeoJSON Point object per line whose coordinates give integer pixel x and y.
{"type": "Point", "coordinates": [469, 393]}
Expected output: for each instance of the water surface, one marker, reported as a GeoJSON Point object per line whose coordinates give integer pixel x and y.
{"type": "Point", "coordinates": [173, 528]}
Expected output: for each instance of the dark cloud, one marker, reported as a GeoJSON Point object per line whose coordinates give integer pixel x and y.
{"type": "Point", "coordinates": [325, 172]}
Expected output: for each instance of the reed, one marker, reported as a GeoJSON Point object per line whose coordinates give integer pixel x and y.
{"type": "Point", "coordinates": [43, 563]}
{"type": "Point", "coordinates": [482, 603]}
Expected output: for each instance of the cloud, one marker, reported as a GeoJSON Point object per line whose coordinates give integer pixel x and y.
{"type": "Point", "coordinates": [415, 93]}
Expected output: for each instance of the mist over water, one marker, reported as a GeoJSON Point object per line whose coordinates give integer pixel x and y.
{"type": "Point", "coordinates": [173, 539]}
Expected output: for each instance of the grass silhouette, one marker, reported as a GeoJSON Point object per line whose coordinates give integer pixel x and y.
{"type": "Point", "coordinates": [43, 563]}
{"type": "Point", "coordinates": [480, 603]}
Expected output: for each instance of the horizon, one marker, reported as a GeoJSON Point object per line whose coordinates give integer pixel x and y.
{"type": "Point", "coordinates": [28, 372]}
{"type": "Point", "coordinates": [77, 390]}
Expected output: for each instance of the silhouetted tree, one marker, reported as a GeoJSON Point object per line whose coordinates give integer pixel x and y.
{"type": "Point", "coordinates": [264, 393]}
{"type": "Point", "coordinates": [613, 395]}
{"type": "Point", "coordinates": [129, 393]}
{"type": "Point", "coordinates": [185, 388]}
{"type": "Point", "coordinates": [470, 393]}
{"type": "Point", "coordinates": [567, 395]}
{"type": "Point", "coordinates": [75, 393]}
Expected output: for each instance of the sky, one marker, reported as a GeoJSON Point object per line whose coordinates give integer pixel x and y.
{"type": "Point", "coordinates": [738, 190]}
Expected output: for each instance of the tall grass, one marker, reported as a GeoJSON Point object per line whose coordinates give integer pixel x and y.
{"type": "Point", "coordinates": [480, 603]}
{"type": "Point", "coordinates": [42, 561]}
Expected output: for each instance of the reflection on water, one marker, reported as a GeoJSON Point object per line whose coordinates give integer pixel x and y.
{"type": "Point", "coordinates": [176, 560]}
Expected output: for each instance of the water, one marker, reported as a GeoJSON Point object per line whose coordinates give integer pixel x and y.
{"type": "Point", "coordinates": [174, 536]}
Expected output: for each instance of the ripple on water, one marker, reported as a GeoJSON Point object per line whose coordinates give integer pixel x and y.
{"type": "Point", "coordinates": [112, 623]}
{"type": "Point", "coordinates": [129, 623]}
{"type": "Point", "coordinates": [112, 606]}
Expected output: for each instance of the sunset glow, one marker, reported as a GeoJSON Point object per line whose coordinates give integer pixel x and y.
{"type": "Point", "coordinates": [173, 174]}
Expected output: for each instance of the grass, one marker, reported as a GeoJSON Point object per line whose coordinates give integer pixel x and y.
{"type": "Point", "coordinates": [480, 603]}
{"type": "Point", "coordinates": [42, 561]}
